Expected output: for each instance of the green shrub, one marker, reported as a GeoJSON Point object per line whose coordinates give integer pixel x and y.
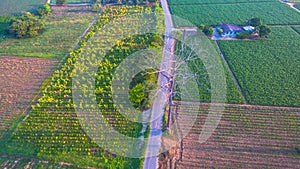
{"type": "Point", "coordinates": [207, 30]}
{"type": "Point", "coordinates": [44, 10]}
{"type": "Point", "coordinates": [264, 30]}
{"type": "Point", "coordinates": [96, 7]}
{"type": "Point", "coordinates": [220, 31]}
{"type": "Point", "coordinates": [27, 25]}
{"type": "Point", "coordinates": [243, 35]}
{"type": "Point", "coordinates": [255, 22]}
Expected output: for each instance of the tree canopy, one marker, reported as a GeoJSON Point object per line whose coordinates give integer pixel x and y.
{"type": "Point", "coordinates": [255, 22]}
{"type": "Point", "coordinates": [264, 30]}
{"type": "Point", "coordinates": [27, 25]}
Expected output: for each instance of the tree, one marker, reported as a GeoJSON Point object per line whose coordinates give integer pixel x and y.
{"type": "Point", "coordinates": [264, 30]}
{"type": "Point", "coordinates": [137, 95]}
{"type": "Point", "coordinates": [27, 25]}
{"type": "Point", "coordinates": [207, 30]}
{"type": "Point", "coordinates": [61, 2]}
{"type": "Point", "coordinates": [220, 31]}
{"type": "Point", "coordinates": [201, 26]}
{"type": "Point", "coordinates": [243, 35]}
{"type": "Point", "coordinates": [44, 10]}
{"type": "Point", "coordinates": [255, 22]}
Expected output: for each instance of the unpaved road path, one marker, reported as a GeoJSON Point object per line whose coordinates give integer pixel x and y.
{"type": "Point", "coordinates": [154, 142]}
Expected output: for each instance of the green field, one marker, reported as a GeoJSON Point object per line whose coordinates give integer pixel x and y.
{"type": "Point", "coordinates": [61, 34]}
{"type": "Point", "coordinates": [11, 7]}
{"type": "Point", "coordinates": [233, 95]}
{"type": "Point", "coordinates": [73, 1]}
{"type": "Point", "coordinates": [175, 2]}
{"type": "Point", "coordinates": [214, 14]}
{"type": "Point", "coordinates": [268, 69]}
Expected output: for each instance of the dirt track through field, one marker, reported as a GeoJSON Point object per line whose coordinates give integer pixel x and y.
{"type": "Point", "coordinates": [20, 78]}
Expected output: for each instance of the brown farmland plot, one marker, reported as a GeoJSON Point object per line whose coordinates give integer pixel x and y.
{"type": "Point", "coordinates": [246, 137]}
{"type": "Point", "coordinates": [20, 79]}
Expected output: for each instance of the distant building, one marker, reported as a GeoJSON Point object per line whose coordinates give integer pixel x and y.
{"type": "Point", "coordinates": [249, 28]}
{"type": "Point", "coordinates": [230, 30]}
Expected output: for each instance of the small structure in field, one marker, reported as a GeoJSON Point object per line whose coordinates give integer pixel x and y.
{"type": "Point", "coordinates": [230, 30]}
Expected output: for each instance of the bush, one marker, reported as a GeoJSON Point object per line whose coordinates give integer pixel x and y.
{"type": "Point", "coordinates": [27, 25]}
{"type": "Point", "coordinates": [44, 10]}
{"type": "Point", "coordinates": [264, 30]}
{"type": "Point", "coordinates": [96, 7]}
{"type": "Point", "coordinates": [255, 22]}
{"type": "Point", "coordinates": [201, 26]}
{"type": "Point", "coordinates": [61, 2]}
{"type": "Point", "coordinates": [243, 35]}
{"type": "Point", "coordinates": [220, 31]}
{"type": "Point", "coordinates": [207, 30]}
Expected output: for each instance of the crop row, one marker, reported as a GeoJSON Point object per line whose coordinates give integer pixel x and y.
{"type": "Point", "coordinates": [197, 67]}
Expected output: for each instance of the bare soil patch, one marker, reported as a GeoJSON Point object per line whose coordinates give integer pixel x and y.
{"type": "Point", "coordinates": [61, 10]}
{"type": "Point", "coordinates": [20, 79]}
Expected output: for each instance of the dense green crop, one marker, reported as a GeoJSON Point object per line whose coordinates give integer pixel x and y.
{"type": "Point", "coordinates": [175, 2]}
{"type": "Point", "coordinates": [214, 14]}
{"type": "Point", "coordinates": [297, 6]}
{"type": "Point", "coordinates": [267, 69]}
{"type": "Point", "coordinates": [233, 95]}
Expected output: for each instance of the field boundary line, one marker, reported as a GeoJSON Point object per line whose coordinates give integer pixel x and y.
{"type": "Point", "coordinates": [282, 25]}
{"type": "Point", "coordinates": [231, 73]}
{"type": "Point", "coordinates": [296, 31]}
